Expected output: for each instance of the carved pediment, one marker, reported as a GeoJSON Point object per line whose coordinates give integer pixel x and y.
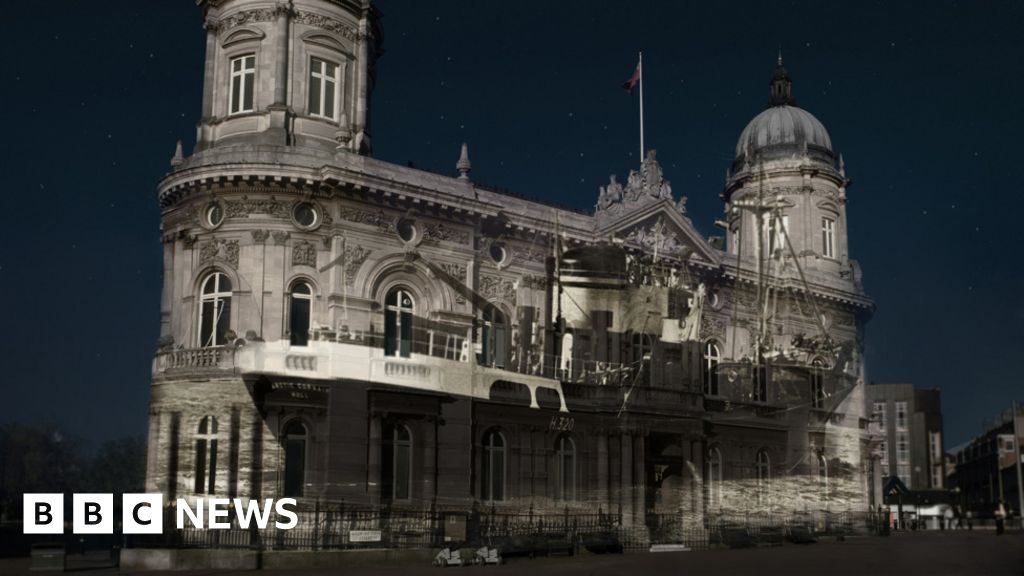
{"type": "Point", "coordinates": [661, 229]}
{"type": "Point", "coordinates": [642, 189]}
{"type": "Point", "coordinates": [659, 238]}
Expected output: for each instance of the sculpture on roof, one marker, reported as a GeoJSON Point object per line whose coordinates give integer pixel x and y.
{"type": "Point", "coordinates": [642, 187]}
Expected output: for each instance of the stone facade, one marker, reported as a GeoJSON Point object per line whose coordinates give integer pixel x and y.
{"type": "Point", "coordinates": [368, 332]}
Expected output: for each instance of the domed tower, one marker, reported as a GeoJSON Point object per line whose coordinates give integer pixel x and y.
{"type": "Point", "coordinates": [252, 259]}
{"type": "Point", "coordinates": [288, 72]}
{"type": "Point", "coordinates": [786, 181]}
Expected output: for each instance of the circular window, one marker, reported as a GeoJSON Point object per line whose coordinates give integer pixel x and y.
{"type": "Point", "coordinates": [498, 253]}
{"type": "Point", "coordinates": [714, 300]}
{"type": "Point", "coordinates": [406, 230]}
{"type": "Point", "coordinates": [305, 214]}
{"type": "Point", "coordinates": [214, 215]}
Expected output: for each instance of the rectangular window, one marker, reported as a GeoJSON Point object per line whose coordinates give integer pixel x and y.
{"type": "Point", "coordinates": [903, 471]}
{"type": "Point", "coordinates": [901, 415]}
{"type": "Point", "coordinates": [879, 411]}
{"type": "Point", "coordinates": [773, 233]}
{"type": "Point", "coordinates": [936, 445]}
{"type": "Point", "coordinates": [243, 83]}
{"type": "Point", "coordinates": [323, 87]}
{"type": "Point", "coordinates": [903, 448]}
{"type": "Point", "coordinates": [884, 448]}
{"type": "Point", "coordinates": [828, 237]}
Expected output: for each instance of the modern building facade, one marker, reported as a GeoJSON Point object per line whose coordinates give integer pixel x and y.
{"type": "Point", "coordinates": [988, 468]}
{"type": "Point", "coordinates": [910, 423]}
{"type": "Point", "coordinates": [339, 328]}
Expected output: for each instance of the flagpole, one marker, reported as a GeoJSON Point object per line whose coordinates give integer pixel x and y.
{"type": "Point", "coordinates": [640, 66]}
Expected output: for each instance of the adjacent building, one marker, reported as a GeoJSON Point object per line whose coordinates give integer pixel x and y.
{"type": "Point", "coordinates": [988, 468]}
{"type": "Point", "coordinates": [909, 423]}
{"type": "Point", "coordinates": [337, 328]}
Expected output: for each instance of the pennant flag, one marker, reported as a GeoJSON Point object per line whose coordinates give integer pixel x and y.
{"type": "Point", "coordinates": [628, 85]}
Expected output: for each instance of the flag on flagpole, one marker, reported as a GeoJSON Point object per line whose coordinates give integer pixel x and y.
{"type": "Point", "coordinates": [628, 85]}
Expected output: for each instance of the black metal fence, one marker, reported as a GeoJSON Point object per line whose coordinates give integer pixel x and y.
{"type": "Point", "coordinates": [340, 527]}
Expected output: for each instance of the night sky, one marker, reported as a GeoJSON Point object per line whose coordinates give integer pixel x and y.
{"type": "Point", "coordinates": [926, 105]}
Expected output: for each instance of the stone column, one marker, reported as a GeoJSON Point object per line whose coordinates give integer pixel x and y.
{"type": "Point", "coordinates": [362, 82]}
{"type": "Point", "coordinates": [626, 478]}
{"type": "Point", "coordinates": [279, 108]}
{"type": "Point", "coordinates": [209, 82]}
{"type": "Point", "coordinates": [693, 482]}
{"type": "Point", "coordinates": [639, 481]}
{"type": "Point", "coordinates": [602, 498]}
{"type": "Point", "coordinates": [336, 281]}
{"type": "Point", "coordinates": [373, 469]}
{"type": "Point", "coordinates": [167, 296]}
{"type": "Point", "coordinates": [283, 12]}
{"type": "Point", "coordinates": [430, 459]}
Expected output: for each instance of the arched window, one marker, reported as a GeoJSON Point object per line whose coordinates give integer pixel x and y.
{"type": "Point", "coordinates": [398, 310]}
{"type": "Point", "coordinates": [495, 338]}
{"type": "Point", "coordinates": [396, 479]}
{"type": "Point", "coordinates": [300, 311]}
{"type": "Point", "coordinates": [566, 358]}
{"type": "Point", "coordinates": [763, 471]}
{"type": "Point", "coordinates": [713, 477]}
{"type": "Point", "coordinates": [214, 310]}
{"type": "Point", "coordinates": [712, 356]}
{"type": "Point", "coordinates": [493, 476]}
{"type": "Point", "coordinates": [566, 453]}
{"type": "Point", "coordinates": [818, 383]}
{"type": "Point", "coordinates": [823, 476]}
{"type": "Point", "coordinates": [295, 436]}
{"type": "Point", "coordinates": [206, 456]}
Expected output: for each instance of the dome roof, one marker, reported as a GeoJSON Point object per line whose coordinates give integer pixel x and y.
{"type": "Point", "coordinates": [783, 129]}
{"type": "Point", "coordinates": [783, 125]}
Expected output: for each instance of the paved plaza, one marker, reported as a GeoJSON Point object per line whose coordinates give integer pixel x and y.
{"type": "Point", "coordinates": [980, 552]}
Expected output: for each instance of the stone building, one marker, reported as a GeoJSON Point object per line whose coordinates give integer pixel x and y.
{"type": "Point", "coordinates": [335, 327]}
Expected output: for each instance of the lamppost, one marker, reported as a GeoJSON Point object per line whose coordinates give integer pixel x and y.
{"type": "Point", "coordinates": [1017, 457]}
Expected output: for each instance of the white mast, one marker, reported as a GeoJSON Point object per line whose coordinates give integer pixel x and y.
{"type": "Point", "coordinates": [640, 68]}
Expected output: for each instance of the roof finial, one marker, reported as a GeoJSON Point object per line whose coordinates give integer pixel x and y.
{"type": "Point", "coordinates": [463, 165]}
{"type": "Point", "coordinates": [781, 93]}
{"type": "Point", "coordinates": [842, 166]}
{"type": "Point", "coordinates": [178, 158]}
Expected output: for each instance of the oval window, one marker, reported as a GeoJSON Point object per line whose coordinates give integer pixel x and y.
{"type": "Point", "coordinates": [498, 253]}
{"type": "Point", "coordinates": [214, 215]}
{"type": "Point", "coordinates": [406, 230]}
{"type": "Point", "coordinates": [305, 215]}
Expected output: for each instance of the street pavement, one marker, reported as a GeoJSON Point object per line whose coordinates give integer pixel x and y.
{"type": "Point", "coordinates": [978, 552]}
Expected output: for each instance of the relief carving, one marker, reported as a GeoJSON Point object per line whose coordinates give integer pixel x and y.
{"type": "Point", "coordinates": [245, 206]}
{"type": "Point", "coordinates": [711, 327]}
{"type": "Point", "coordinates": [327, 23]}
{"type": "Point", "coordinates": [382, 221]}
{"type": "Point", "coordinates": [220, 250]}
{"type": "Point", "coordinates": [244, 17]}
{"type": "Point", "coordinates": [280, 237]}
{"type": "Point", "coordinates": [304, 254]}
{"type": "Point", "coordinates": [659, 237]}
{"type": "Point", "coordinates": [494, 287]}
{"type": "Point", "coordinates": [529, 255]}
{"type": "Point", "coordinates": [442, 233]}
{"type": "Point", "coordinates": [260, 236]}
{"type": "Point", "coordinates": [354, 258]}
{"type": "Point", "coordinates": [534, 282]}
{"type": "Point", "coordinates": [458, 272]}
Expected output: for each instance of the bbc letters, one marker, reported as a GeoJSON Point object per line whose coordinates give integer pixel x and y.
{"type": "Point", "coordinates": [144, 513]}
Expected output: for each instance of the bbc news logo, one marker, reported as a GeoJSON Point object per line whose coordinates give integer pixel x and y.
{"type": "Point", "coordinates": [143, 513]}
